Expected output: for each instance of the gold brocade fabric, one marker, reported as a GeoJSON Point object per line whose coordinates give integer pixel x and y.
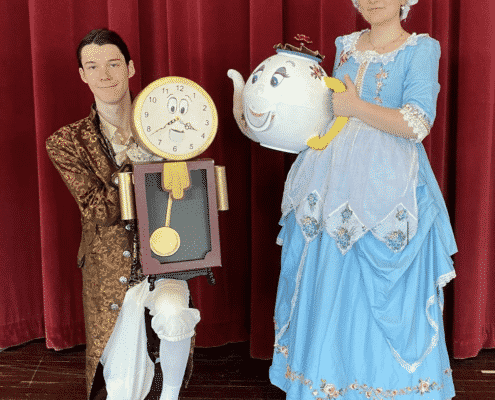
{"type": "Point", "coordinates": [119, 143]}
{"type": "Point", "coordinates": [105, 253]}
{"type": "Point", "coordinates": [125, 147]}
{"type": "Point", "coordinates": [103, 290]}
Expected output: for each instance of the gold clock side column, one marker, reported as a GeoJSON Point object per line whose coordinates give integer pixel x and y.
{"type": "Point", "coordinates": [221, 185]}
{"type": "Point", "coordinates": [126, 194]}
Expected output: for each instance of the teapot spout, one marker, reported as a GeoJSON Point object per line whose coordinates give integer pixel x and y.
{"type": "Point", "coordinates": [239, 84]}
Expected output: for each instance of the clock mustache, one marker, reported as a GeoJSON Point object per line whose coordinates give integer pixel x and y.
{"type": "Point", "coordinates": [167, 124]}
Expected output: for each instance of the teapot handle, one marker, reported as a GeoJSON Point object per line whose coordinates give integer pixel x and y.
{"type": "Point", "coordinates": [321, 143]}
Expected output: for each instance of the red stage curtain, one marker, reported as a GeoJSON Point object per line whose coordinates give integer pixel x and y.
{"type": "Point", "coordinates": [200, 40]}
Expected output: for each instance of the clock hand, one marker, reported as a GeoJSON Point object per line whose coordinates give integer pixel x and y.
{"type": "Point", "coordinates": [188, 126]}
{"type": "Point", "coordinates": [171, 122]}
{"type": "Point", "coordinates": [167, 124]}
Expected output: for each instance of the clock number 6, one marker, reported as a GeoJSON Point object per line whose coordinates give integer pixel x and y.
{"type": "Point", "coordinates": [175, 148]}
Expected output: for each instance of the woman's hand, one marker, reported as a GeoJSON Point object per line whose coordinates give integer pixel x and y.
{"type": "Point", "coordinates": [345, 104]}
{"type": "Point", "coordinates": [390, 120]}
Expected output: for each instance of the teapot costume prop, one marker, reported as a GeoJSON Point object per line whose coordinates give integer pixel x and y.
{"type": "Point", "coordinates": [287, 117]}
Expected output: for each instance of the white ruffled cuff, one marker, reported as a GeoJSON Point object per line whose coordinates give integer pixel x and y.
{"type": "Point", "coordinates": [416, 119]}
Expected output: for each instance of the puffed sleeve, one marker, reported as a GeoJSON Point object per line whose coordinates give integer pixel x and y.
{"type": "Point", "coordinates": [338, 53]}
{"type": "Point", "coordinates": [421, 87]}
{"type": "Point", "coordinates": [98, 201]}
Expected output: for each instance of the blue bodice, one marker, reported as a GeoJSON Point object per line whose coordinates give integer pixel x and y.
{"type": "Point", "coordinates": [366, 179]}
{"type": "Point", "coordinates": [407, 75]}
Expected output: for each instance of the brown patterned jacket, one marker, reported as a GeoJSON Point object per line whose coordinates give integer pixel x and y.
{"type": "Point", "coordinates": [105, 253]}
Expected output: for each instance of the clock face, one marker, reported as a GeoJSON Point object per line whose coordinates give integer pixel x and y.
{"type": "Point", "coordinates": [175, 118]}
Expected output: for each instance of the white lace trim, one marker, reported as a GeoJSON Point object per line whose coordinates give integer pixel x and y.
{"type": "Point", "coordinates": [349, 42]}
{"type": "Point", "coordinates": [295, 296]}
{"type": "Point", "coordinates": [416, 119]}
{"type": "Point", "coordinates": [445, 278]}
{"type": "Point", "coordinates": [398, 228]}
{"type": "Point", "coordinates": [441, 282]}
{"type": "Point", "coordinates": [434, 341]}
{"type": "Point", "coordinates": [345, 227]}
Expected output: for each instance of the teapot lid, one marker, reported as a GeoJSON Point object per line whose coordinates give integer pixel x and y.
{"type": "Point", "coordinates": [298, 54]}
{"type": "Point", "coordinates": [300, 51]}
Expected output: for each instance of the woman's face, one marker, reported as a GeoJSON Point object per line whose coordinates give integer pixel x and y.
{"type": "Point", "coordinates": [379, 12]}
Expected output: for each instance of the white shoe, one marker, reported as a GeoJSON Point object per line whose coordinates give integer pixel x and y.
{"type": "Point", "coordinates": [170, 392]}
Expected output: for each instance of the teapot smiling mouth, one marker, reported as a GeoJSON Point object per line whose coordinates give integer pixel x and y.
{"type": "Point", "coordinates": [258, 121]}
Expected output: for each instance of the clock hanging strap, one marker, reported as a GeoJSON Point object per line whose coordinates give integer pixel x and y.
{"type": "Point", "coordinates": [104, 142]}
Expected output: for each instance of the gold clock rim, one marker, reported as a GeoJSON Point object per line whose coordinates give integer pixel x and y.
{"type": "Point", "coordinates": [137, 107]}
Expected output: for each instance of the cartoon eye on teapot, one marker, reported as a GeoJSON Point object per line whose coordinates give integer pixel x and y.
{"type": "Point", "coordinates": [285, 104]}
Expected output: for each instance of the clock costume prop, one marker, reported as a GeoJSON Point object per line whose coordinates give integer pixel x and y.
{"type": "Point", "coordinates": [172, 208]}
{"type": "Point", "coordinates": [118, 286]}
{"type": "Point", "coordinates": [176, 202]}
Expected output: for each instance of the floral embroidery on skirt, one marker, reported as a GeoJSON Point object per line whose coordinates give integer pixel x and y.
{"type": "Point", "coordinates": [330, 391]}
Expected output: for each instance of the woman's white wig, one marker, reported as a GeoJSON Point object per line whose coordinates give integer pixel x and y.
{"type": "Point", "coordinates": [405, 9]}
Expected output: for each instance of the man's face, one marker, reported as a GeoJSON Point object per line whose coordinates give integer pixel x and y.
{"type": "Point", "coordinates": [105, 72]}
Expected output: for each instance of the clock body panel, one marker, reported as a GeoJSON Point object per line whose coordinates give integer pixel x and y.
{"type": "Point", "coordinates": [175, 118]}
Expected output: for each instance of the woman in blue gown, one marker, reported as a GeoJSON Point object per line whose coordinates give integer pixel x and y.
{"type": "Point", "coordinates": [367, 240]}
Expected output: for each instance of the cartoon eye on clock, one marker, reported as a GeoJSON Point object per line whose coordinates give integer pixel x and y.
{"type": "Point", "coordinates": [172, 105]}
{"type": "Point", "coordinates": [183, 106]}
{"type": "Point", "coordinates": [175, 118]}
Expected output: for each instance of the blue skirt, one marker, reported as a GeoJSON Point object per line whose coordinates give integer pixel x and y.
{"type": "Point", "coordinates": [367, 324]}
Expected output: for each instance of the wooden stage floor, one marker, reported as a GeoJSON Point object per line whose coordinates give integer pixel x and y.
{"type": "Point", "coordinates": [31, 371]}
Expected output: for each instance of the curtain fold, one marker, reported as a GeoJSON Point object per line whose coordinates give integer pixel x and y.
{"type": "Point", "coordinates": [21, 297]}
{"type": "Point", "coordinates": [200, 40]}
{"type": "Point", "coordinates": [474, 317]}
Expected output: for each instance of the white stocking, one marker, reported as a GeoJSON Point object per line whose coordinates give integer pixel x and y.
{"type": "Point", "coordinates": [173, 359]}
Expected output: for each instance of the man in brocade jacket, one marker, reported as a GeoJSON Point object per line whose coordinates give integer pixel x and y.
{"type": "Point", "coordinates": [87, 154]}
